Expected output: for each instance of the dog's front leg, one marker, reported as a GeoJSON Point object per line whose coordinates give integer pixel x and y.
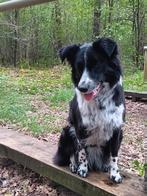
{"type": "Point", "coordinates": [82, 163]}
{"type": "Point", "coordinates": [115, 145]}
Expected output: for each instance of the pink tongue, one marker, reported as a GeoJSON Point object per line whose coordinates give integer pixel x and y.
{"type": "Point", "coordinates": [89, 96]}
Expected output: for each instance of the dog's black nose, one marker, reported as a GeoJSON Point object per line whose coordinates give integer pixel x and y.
{"type": "Point", "coordinates": [83, 89]}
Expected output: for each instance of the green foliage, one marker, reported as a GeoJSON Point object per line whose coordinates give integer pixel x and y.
{"type": "Point", "coordinates": [140, 167]}
{"type": "Point", "coordinates": [43, 29]}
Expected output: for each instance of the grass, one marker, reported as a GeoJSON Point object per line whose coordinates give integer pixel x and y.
{"type": "Point", "coordinates": [19, 87]}
{"type": "Point", "coordinates": [140, 167]}
{"type": "Point", "coordinates": [133, 80]}
{"type": "Point", "coordinates": [59, 97]}
{"type": "Point", "coordinates": [14, 106]}
{"type": "Point", "coordinates": [22, 91]}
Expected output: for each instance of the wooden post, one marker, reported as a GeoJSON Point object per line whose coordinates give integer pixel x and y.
{"type": "Point", "coordinates": [145, 157]}
{"type": "Point", "coordinates": [16, 4]}
{"type": "Point", "coordinates": [145, 63]}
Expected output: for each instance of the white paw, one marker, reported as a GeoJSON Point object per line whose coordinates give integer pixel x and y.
{"type": "Point", "coordinates": [82, 170]}
{"type": "Point", "coordinates": [115, 176]}
{"type": "Point", "coordinates": [73, 168]}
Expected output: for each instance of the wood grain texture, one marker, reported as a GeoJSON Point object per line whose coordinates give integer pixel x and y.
{"type": "Point", "coordinates": [37, 155]}
{"type": "Point", "coordinates": [17, 4]}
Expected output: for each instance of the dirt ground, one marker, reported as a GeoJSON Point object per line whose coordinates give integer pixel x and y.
{"type": "Point", "coordinates": [18, 181]}
{"type": "Point", "coordinates": [132, 147]}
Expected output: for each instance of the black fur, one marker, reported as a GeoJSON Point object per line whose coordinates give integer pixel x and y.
{"type": "Point", "coordinates": [68, 145]}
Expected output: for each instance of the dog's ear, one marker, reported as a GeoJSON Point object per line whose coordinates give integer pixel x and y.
{"type": "Point", "coordinates": [106, 45]}
{"type": "Point", "coordinates": [68, 53]}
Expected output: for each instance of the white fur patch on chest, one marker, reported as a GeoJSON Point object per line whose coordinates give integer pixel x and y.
{"type": "Point", "coordinates": [101, 122]}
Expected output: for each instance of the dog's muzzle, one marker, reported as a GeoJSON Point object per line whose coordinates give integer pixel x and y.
{"type": "Point", "coordinates": [89, 95]}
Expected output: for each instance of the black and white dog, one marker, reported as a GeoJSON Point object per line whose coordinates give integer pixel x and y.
{"type": "Point", "coordinates": [93, 137]}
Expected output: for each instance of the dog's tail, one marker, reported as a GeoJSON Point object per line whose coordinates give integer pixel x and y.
{"type": "Point", "coordinates": [67, 146]}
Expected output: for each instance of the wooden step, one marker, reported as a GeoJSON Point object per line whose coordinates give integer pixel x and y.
{"type": "Point", "coordinates": [37, 155]}
{"type": "Point", "coordinates": [135, 95]}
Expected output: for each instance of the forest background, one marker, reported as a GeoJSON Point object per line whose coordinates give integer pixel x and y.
{"type": "Point", "coordinates": [32, 36]}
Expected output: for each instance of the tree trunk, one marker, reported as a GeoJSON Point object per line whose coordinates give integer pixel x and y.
{"type": "Point", "coordinates": [58, 29]}
{"type": "Point", "coordinates": [110, 3]}
{"type": "Point", "coordinates": [138, 26]}
{"type": "Point", "coordinates": [16, 15]}
{"type": "Point", "coordinates": [96, 18]}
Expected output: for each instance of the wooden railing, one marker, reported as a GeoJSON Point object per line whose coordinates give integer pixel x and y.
{"type": "Point", "coordinates": [17, 4]}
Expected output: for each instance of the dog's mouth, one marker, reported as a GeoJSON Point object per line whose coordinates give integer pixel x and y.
{"type": "Point", "coordinates": [91, 95]}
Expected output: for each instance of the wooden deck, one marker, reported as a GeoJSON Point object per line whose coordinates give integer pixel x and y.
{"type": "Point", "coordinates": [37, 155]}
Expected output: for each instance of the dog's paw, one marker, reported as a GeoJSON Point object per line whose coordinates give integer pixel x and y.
{"type": "Point", "coordinates": [115, 176]}
{"type": "Point", "coordinates": [73, 168]}
{"type": "Point", "coordinates": [82, 170]}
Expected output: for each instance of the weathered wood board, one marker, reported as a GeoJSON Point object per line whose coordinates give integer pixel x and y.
{"type": "Point", "coordinates": [37, 155]}
{"type": "Point", "coordinates": [136, 95]}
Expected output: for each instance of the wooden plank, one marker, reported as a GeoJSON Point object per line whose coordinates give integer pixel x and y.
{"type": "Point", "coordinates": [136, 94]}
{"type": "Point", "coordinates": [17, 4]}
{"type": "Point", "coordinates": [37, 155]}
{"type": "Point", "coordinates": [145, 63]}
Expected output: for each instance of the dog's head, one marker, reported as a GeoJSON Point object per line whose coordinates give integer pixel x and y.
{"type": "Point", "coordinates": [95, 66]}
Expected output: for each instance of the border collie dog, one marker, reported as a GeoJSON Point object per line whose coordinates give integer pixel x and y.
{"type": "Point", "coordinates": [93, 136]}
